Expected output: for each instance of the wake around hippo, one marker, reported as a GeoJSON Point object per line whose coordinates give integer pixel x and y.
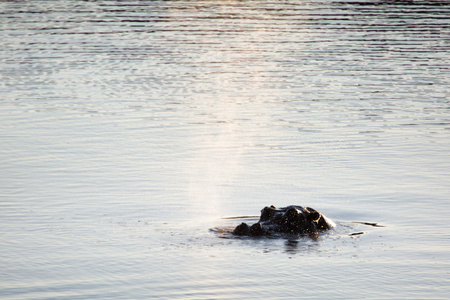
{"type": "Point", "coordinates": [292, 219]}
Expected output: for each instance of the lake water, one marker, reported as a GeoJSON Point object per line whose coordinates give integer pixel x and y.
{"type": "Point", "coordinates": [130, 130]}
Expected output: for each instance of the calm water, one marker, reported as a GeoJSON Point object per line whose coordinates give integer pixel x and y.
{"type": "Point", "coordinates": [128, 130]}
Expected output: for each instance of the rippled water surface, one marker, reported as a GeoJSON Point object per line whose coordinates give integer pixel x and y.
{"type": "Point", "coordinates": [129, 131]}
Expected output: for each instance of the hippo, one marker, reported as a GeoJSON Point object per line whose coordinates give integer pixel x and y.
{"type": "Point", "coordinates": [291, 219]}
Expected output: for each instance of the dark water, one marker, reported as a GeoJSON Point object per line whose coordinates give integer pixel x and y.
{"type": "Point", "coordinates": [128, 130]}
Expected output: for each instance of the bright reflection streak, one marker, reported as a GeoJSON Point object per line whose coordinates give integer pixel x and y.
{"type": "Point", "coordinates": [231, 62]}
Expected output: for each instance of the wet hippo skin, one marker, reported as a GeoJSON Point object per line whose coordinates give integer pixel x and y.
{"type": "Point", "coordinates": [291, 219]}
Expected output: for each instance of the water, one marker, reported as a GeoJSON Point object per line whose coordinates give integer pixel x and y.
{"type": "Point", "coordinates": [128, 130]}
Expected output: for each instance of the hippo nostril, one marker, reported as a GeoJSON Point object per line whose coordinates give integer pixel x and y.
{"type": "Point", "coordinates": [242, 229]}
{"type": "Point", "coordinates": [257, 230]}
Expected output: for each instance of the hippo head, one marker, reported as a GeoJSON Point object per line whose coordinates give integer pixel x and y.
{"type": "Point", "coordinates": [291, 219]}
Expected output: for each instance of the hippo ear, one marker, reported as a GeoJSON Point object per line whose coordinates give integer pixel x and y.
{"type": "Point", "coordinates": [314, 215]}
